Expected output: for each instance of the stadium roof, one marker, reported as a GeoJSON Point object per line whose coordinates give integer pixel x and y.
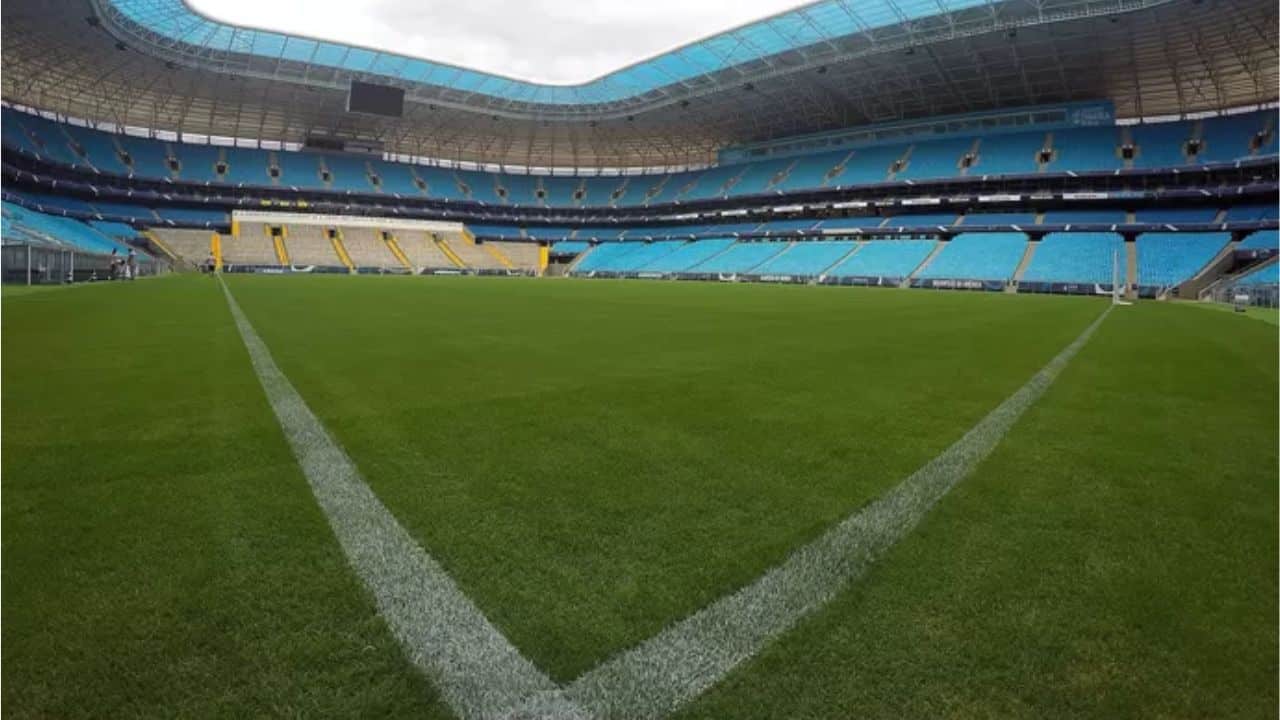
{"type": "Point", "coordinates": [829, 64]}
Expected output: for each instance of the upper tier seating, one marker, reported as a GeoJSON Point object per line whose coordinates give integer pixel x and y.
{"type": "Point", "coordinates": [1176, 215]}
{"type": "Point", "coordinates": [976, 219]}
{"type": "Point", "coordinates": [893, 259]}
{"type": "Point", "coordinates": [1084, 149]}
{"type": "Point", "coordinates": [1075, 258]}
{"type": "Point", "coordinates": [1160, 145]}
{"type": "Point", "coordinates": [807, 258]}
{"type": "Point", "coordinates": [1244, 213]}
{"type": "Point", "coordinates": [1084, 217]}
{"type": "Point", "coordinates": [1166, 259]}
{"type": "Point", "coordinates": [1008, 154]}
{"type": "Point", "coordinates": [977, 256]}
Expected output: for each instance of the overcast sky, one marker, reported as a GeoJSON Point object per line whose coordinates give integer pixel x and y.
{"type": "Point", "coordinates": [543, 40]}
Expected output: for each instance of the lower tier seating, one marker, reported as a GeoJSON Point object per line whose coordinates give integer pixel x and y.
{"type": "Point", "coordinates": [977, 256]}
{"type": "Point", "coordinates": [1166, 259]}
{"type": "Point", "coordinates": [1075, 258]}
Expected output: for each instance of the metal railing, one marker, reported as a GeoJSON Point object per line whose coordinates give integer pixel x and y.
{"type": "Point", "coordinates": [27, 264]}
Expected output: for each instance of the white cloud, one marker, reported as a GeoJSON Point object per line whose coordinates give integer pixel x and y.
{"type": "Point", "coordinates": [546, 41]}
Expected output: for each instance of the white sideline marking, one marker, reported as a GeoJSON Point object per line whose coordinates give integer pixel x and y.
{"type": "Point", "coordinates": [479, 673]}
{"type": "Point", "coordinates": [667, 671]}
{"type": "Point", "coordinates": [483, 676]}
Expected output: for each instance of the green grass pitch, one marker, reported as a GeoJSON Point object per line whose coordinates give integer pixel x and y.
{"type": "Point", "coordinates": [593, 460]}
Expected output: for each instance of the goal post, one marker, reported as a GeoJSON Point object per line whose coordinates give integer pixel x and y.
{"type": "Point", "coordinates": [1117, 281]}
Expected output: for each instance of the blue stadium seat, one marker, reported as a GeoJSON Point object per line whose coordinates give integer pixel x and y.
{"type": "Point", "coordinates": [977, 256]}
{"type": "Point", "coordinates": [979, 219]}
{"type": "Point", "coordinates": [1085, 149]}
{"type": "Point", "coordinates": [688, 255]}
{"type": "Point", "coordinates": [870, 165]}
{"type": "Point", "coordinates": [1176, 215]}
{"type": "Point", "coordinates": [350, 173]}
{"type": "Point", "coordinates": [807, 258]}
{"type": "Point", "coordinates": [1085, 217]}
{"type": "Point", "coordinates": [893, 259]}
{"type": "Point", "coordinates": [1075, 258]}
{"type": "Point", "coordinates": [1268, 275]}
{"type": "Point", "coordinates": [1227, 138]}
{"type": "Point", "coordinates": [811, 171]}
{"type": "Point", "coordinates": [150, 157]}
{"type": "Point", "coordinates": [741, 258]}
{"type": "Point", "coordinates": [99, 149]}
{"type": "Point", "coordinates": [1160, 145]}
{"type": "Point", "coordinates": [569, 247]}
{"type": "Point", "coordinates": [1013, 154]}
{"type": "Point", "coordinates": [936, 159]}
{"type": "Point", "coordinates": [1166, 259]}
{"type": "Point", "coordinates": [1261, 240]}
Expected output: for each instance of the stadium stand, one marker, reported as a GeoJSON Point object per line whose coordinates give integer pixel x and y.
{"type": "Point", "coordinates": [687, 256]}
{"type": "Point", "coordinates": [253, 245]}
{"type": "Point", "coordinates": [807, 259]}
{"type": "Point", "coordinates": [423, 250]}
{"type": "Point", "coordinates": [1175, 215]}
{"type": "Point", "coordinates": [1266, 275]}
{"type": "Point", "coordinates": [310, 245]}
{"type": "Point", "coordinates": [569, 247]}
{"type": "Point", "coordinates": [1074, 258]}
{"type": "Point", "coordinates": [891, 259]}
{"type": "Point", "coordinates": [1167, 259]}
{"type": "Point", "coordinates": [744, 257]}
{"type": "Point", "coordinates": [977, 256]}
{"type": "Point", "coordinates": [194, 246]}
{"type": "Point", "coordinates": [1261, 240]}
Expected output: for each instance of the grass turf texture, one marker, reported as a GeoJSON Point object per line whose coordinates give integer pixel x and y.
{"type": "Point", "coordinates": [163, 556]}
{"type": "Point", "coordinates": [592, 460]}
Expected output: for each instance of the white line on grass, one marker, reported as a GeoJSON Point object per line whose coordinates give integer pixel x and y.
{"type": "Point", "coordinates": [667, 671]}
{"type": "Point", "coordinates": [479, 672]}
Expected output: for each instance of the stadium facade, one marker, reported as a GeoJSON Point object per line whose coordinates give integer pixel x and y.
{"type": "Point", "coordinates": [954, 143]}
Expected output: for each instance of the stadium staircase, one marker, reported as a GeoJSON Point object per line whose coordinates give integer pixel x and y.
{"type": "Point", "coordinates": [336, 240]}
{"type": "Point", "coordinates": [852, 251]}
{"type": "Point", "coordinates": [161, 246]}
{"type": "Point", "coordinates": [582, 256]}
{"type": "Point", "coordinates": [1022, 267]}
{"type": "Point", "coordinates": [449, 253]}
{"type": "Point", "coordinates": [282, 253]}
{"type": "Point", "coordinates": [1229, 279]}
{"type": "Point", "coordinates": [1131, 269]}
{"type": "Point", "coordinates": [937, 248]}
{"type": "Point", "coordinates": [394, 247]}
{"type": "Point", "coordinates": [1211, 272]}
{"type": "Point", "coordinates": [498, 255]}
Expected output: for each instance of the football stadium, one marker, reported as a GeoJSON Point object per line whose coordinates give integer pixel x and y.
{"type": "Point", "coordinates": [886, 359]}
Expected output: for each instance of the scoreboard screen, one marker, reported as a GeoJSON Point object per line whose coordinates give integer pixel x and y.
{"type": "Point", "coordinates": [374, 99]}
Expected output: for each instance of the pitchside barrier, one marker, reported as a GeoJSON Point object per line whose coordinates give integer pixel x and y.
{"type": "Point", "coordinates": [954, 284]}
{"type": "Point", "coordinates": [863, 280]}
{"type": "Point", "coordinates": [1065, 288]}
{"type": "Point", "coordinates": [34, 265]}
